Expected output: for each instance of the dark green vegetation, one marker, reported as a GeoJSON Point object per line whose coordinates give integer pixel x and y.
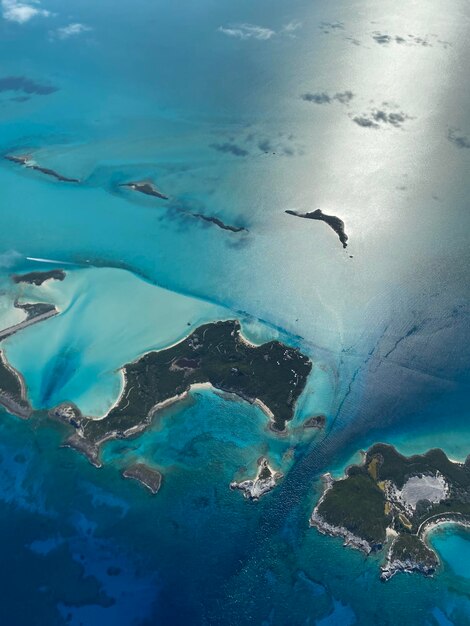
{"type": "Point", "coordinates": [357, 504]}
{"type": "Point", "coordinates": [12, 392]}
{"type": "Point", "coordinates": [38, 278]}
{"type": "Point", "coordinates": [216, 354]}
{"type": "Point", "coordinates": [411, 548]}
{"type": "Point", "coordinates": [369, 500]}
{"type": "Point", "coordinates": [398, 468]}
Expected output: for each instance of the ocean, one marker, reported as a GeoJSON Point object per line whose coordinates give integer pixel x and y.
{"type": "Point", "coordinates": [237, 111]}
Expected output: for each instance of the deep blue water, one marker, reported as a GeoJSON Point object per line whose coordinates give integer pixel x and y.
{"type": "Point", "coordinates": [163, 90]}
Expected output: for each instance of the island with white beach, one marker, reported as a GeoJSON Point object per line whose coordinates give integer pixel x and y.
{"type": "Point", "coordinates": [394, 501]}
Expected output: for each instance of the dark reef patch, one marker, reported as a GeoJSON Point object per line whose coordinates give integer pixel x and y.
{"type": "Point", "coordinates": [25, 85]}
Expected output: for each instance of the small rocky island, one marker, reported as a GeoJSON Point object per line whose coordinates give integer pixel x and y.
{"type": "Point", "coordinates": [271, 375]}
{"type": "Point", "coordinates": [333, 222]}
{"type": "Point", "coordinates": [27, 162]}
{"type": "Point", "coordinates": [219, 223]}
{"type": "Point", "coordinates": [266, 479]}
{"type": "Point", "coordinates": [144, 474]}
{"type": "Point", "coordinates": [395, 500]}
{"type": "Point", "coordinates": [38, 278]}
{"type": "Point", "coordinates": [147, 187]}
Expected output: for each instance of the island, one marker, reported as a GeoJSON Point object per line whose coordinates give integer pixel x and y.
{"type": "Point", "coordinates": [266, 479]}
{"type": "Point", "coordinates": [13, 390]}
{"type": "Point", "coordinates": [316, 421]}
{"type": "Point", "coordinates": [38, 278]}
{"type": "Point", "coordinates": [25, 161]}
{"type": "Point", "coordinates": [395, 500]}
{"type": "Point", "coordinates": [217, 355]}
{"type": "Point", "coordinates": [35, 312]}
{"type": "Point", "coordinates": [146, 187]}
{"type": "Point", "coordinates": [144, 474]}
{"type": "Point", "coordinates": [333, 222]}
{"type": "Point", "coordinates": [219, 223]}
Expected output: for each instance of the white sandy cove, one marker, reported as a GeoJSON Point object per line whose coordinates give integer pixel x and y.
{"type": "Point", "coordinates": [194, 387]}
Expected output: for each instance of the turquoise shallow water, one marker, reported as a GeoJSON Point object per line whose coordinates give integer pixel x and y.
{"type": "Point", "coordinates": [159, 89]}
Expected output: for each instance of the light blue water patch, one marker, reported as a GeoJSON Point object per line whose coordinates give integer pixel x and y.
{"type": "Point", "coordinates": [108, 317]}
{"type": "Point", "coordinates": [452, 543]}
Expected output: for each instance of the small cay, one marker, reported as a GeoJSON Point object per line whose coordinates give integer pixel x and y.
{"type": "Point", "coordinates": [333, 222]}
{"type": "Point", "coordinates": [38, 278]}
{"type": "Point", "coordinates": [219, 223]}
{"type": "Point", "coordinates": [146, 187]}
{"type": "Point", "coordinates": [26, 162]}
{"type": "Point", "coordinates": [265, 481]}
{"type": "Point", "coordinates": [147, 476]}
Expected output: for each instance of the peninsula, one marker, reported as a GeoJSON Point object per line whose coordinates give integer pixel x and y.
{"type": "Point", "coordinates": [271, 375]}
{"type": "Point", "coordinates": [396, 498]}
{"type": "Point", "coordinates": [146, 187]}
{"type": "Point", "coordinates": [333, 222]}
{"type": "Point", "coordinates": [37, 312]}
{"type": "Point", "coordinates": [13, 390]}
{"type": "Point", "coordinates": [26, 161]}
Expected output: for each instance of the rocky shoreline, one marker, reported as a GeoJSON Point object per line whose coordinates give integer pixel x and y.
{"type": "Point", "coordinates": [264, 482]}
{"type": "Point", "coordinates": [145, 475]}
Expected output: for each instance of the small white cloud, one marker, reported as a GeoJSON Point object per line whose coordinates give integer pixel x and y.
{"type": "Point", "coordinates": [71, 30]}
{"type": "Point", "coordinates": [247, 31]}
{"type": "Point", "coordinates": [21, 12]}
{"type": "Point", "coordinates": [251, 31]}
{"type": "Point", "coordinates": [291, 27]}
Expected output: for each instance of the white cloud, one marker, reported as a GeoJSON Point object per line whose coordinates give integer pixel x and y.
{"type": "Point", "coordinates": [291, 27]}
{"type": "Point", "coordinates": [21, 12]}
{"type": "Point", "coordinates": [71, 30]}
{"type": "Point", "coordinates": [247, 31]}
{"type": "Point", "coordinates": [251, 31]}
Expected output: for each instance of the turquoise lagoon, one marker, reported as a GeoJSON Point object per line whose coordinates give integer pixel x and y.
{"type": "Point", "coordinates": [157, 89]}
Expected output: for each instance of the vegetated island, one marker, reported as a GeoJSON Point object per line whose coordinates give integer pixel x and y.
{"type": "Point", "coordinates": [394, 497]}
{"type": "Point", "coordinates": [25, 161]}
{"type": "Point", "coordinates": [271, 375]}
{"type": "Point", "coordinates": [144, 474]}
{"type": "Point", "coordinates": [146, 187]}
{"type": "Point", "coordinates": [219, 223]}
{"type": "Point", "coordinates": [37, 312]}
{"type": "Point", "coordinates": [13, 390]}
{"type": "Point", "coordinates": [38, 278]}
{"type": "Point", "coordinates": [266, 479]}
{"type": "Point", "coordinates": [333, 222]}
{"type": "Point", "coordinates": [316, 421]}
